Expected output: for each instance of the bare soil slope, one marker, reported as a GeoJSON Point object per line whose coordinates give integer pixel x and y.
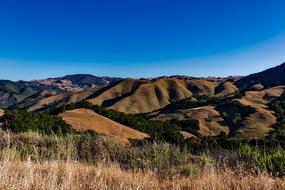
{"type": "Point", "coordinates": [84, 119]}
{"type": "Point", "coordinates": [1, 112]}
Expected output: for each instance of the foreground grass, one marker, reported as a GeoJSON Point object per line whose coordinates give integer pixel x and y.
{"type": "Point", "coordinates": [65, 175]}
{"type": "Point", "coordinates": [30, 160]}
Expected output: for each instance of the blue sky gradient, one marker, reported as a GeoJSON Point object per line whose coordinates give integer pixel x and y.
{"type": "Point", "coordinates": [141, 38]}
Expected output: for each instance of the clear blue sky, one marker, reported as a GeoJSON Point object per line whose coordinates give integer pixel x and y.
{"type": "Point", "coordinates": [140, 38]}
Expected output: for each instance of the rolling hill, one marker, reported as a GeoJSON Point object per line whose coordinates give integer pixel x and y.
{"type": "Point", "coordinates": [238, 107]}
{"type": "Point", "coordinates": [142, 96]}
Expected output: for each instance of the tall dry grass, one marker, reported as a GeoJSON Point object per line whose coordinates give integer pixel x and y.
{"type": "Point", "coordinates": [34, 161]}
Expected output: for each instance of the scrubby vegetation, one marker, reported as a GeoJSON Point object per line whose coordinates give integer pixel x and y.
{"type": "Point", "coordinates": [43, 140]}
{"type": "Point", "coordinates": [279, 134]}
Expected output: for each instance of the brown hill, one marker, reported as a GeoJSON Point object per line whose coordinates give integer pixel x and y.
{"type": "Point", "coordinates": [142, 96]}
{"type": "Point", "coordinates": [84, 119]}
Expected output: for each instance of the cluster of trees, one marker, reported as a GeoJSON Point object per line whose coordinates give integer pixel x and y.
{"type": "Point", "coordinates": [23, 121]}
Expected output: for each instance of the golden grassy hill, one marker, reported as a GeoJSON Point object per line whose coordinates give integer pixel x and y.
{"type": "Point", "coordinates": [84, 119]}
{"type": "Point", "coordinates": [152, 96]}
{"type": "Point", "coordinates": [225, 88]}
{"type": "Point", "coordinates": [142, 96]}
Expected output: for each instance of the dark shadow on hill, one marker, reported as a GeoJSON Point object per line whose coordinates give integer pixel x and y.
{"type": "Point", "coordinates": [101, 90]}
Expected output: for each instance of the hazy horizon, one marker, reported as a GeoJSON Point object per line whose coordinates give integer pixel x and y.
{"type": "Point", "coordinates": [140, 39]}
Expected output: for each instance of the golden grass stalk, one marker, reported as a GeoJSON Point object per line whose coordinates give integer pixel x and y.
{"type": "Point", "coordinates": [26, 175]}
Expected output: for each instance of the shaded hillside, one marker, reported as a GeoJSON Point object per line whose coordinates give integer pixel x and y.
{"type": "Point", "coordinates": [14, 92]}
{"type": "Point", "coordinates": [268, 78]}
{"type": "Point", "coordinates": [84, 119]}
{"type": "Point", "coordinates": [141, 96]}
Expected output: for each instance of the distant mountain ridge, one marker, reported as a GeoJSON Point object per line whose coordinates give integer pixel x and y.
{"type": "Point", "coordinates": [78, 82]}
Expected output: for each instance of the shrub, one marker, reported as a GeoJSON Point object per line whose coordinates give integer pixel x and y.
{"type": "Point", "coordinates": [258, 159]}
